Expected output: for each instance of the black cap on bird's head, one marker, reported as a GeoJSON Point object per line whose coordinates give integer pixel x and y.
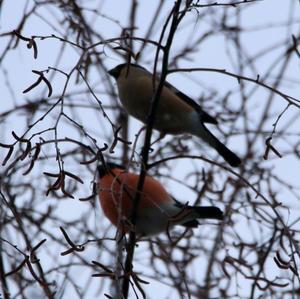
{"type": "Point", "coordinates": [115, 72]}
{"type": "Point", "coordinates": [104, 169]}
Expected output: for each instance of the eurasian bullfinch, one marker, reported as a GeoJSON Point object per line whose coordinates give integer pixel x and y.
{"type": "Point", "coordinates": [157, 210]}
{"type": "Point", "coordinates": [176, 112]}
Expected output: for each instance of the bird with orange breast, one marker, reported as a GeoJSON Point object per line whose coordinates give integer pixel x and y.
{"type": "Point", "coordinates": [176, 112]}
{"type": "Point", "coordinates": [157, 211]}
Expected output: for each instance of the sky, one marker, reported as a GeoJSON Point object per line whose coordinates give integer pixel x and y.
{"type": "Point", "coordinates": [217, 52]}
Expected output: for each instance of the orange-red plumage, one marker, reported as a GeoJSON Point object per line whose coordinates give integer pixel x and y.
{"type": "Point", "coordinates": [117, 191]}
{"type": "Point", "coordinates": [157, 210]}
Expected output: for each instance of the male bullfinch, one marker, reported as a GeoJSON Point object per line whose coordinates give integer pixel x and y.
{"type": "Point", "coordinates": [176, 112]}
{"type": "Point", "coordinates": [157, 210]}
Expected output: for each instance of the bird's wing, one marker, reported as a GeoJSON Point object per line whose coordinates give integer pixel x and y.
{"type": "Point", "coordinates": [205, 117]}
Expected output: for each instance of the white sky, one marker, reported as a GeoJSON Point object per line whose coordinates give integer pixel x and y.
{"type": "Point", "coordinates": [20, 62]}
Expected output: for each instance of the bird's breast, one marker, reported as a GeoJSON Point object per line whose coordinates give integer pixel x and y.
{"type": "Point", "coordinates": [172, 113]}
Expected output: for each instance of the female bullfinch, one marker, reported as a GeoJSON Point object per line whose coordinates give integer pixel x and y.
{"type": "Point", "coordinates": [176, 112]}
{"type": "Point", "coordinates": [157, 210]}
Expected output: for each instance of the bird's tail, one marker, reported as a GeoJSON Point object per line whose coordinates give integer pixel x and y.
{"type": "Point", "coordinates": [228, 155]}
{"type": "Point", "coordinates": [208, 213]}
{"type": "Point", "coordinates": [224, 151]}
{"type": "Point", "coordinates": [201, 213]}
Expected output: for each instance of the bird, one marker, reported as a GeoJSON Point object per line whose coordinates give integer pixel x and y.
{"type": "Point", "coordinates": [176, 112]}
{"type": "Point", "coordinates": [157, 210]}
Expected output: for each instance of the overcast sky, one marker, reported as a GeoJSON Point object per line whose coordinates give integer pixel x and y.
{"type": "Point", "coordinates": [267, 14]}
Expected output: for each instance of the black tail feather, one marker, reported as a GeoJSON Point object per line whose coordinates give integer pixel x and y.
{"type": "Point", "coordinates": [191, 223]}
{"type": "Point", "coordinates": [209, 212]}
{"type": "Point", "coordinates": [228, 155]}
{"type": "Point", "coordinates": [203, 213]}
{"type": "Point", "coordinates": [213, 141]}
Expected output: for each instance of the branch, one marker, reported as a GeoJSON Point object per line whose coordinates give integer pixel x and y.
{"type": "Point", "coordinates": [147, 144]}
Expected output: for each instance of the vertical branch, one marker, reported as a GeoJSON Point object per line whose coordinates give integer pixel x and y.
{"type": "Point", "coordinates": [132, 21]}
{"type": "Point", "coordinates": [147, 143]}
{"type": "Point", "coordinates": [4, 286]}
{"type": "Point", "coordinates": [123, 121]}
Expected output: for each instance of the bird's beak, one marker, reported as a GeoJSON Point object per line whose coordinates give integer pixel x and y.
{"type": "Point", "coordinates": [113, 72]}
{"type": "Point", "coordinates": [106, 168]}
{"type": "Point", "coordinates": [102, 170]}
